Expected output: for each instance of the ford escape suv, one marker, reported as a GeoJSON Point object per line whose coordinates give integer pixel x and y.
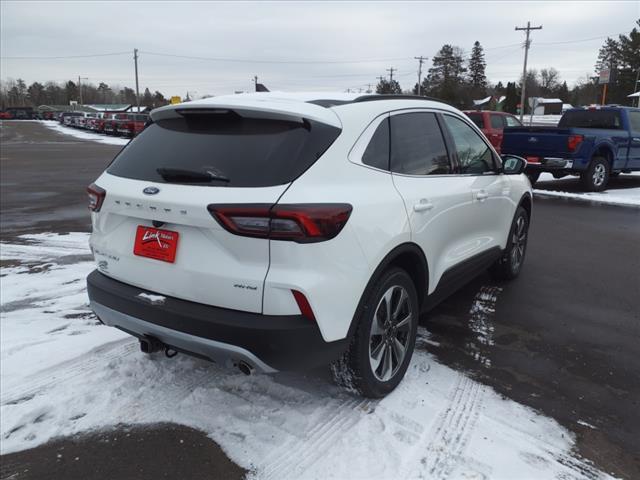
{"type": "Point", "coordinates": [287, 231]}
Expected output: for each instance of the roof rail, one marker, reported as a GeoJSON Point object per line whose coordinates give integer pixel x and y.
{"type": "Point", "coordinates": [393, 96]}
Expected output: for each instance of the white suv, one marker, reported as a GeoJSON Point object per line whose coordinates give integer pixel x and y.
{"type": "Point", "coordinates": [287, 231]}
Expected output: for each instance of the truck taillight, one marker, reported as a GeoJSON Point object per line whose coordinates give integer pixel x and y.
{"type": "Point", "coordinates": [574, 142]}
{"type": "Point", "coordinates": [96, 197]}
{"type": "Point", "coordinates": [301, 223]}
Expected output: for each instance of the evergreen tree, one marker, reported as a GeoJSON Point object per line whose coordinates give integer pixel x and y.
{"type": "Point", "coordinates": [71, 92]}
{"type": "Point", "coordinates": [513, 98]}
{"type": "Point", "coordinates": [35, 94]}
{"type": "Point", "coordinates": [147, 98]}
{"type": "Point", "coordinates": [388, 86]}
{"type": "Point", "coordinates": [477, 66]}
{"type": "Point", "coordinates": [446, 76]}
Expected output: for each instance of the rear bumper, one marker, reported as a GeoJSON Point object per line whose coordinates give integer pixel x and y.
{"type": "Point", "coordinates": [551, 164]}
{"type": "Point", "coordinates": [267, 343]}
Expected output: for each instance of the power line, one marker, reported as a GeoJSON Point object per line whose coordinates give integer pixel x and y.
{"type": "Point", "coordinates": [67, 56]}
{"type": "Point", "coordinates": [253, 60]}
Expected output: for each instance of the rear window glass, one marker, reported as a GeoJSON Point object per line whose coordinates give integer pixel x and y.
{"type": "Point", "coordinates": [248, 152]}
{"type": "Point", "coordinates": [477, 119]}
{"type": "Point", "coordinates": [591, 119]}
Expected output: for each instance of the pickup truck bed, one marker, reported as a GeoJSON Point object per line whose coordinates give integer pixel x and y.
{"type": "Point", "coordinates": [591, 143]}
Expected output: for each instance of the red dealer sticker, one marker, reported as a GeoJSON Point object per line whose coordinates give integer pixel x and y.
{"type": "Point", "coordinates": [157, 244]}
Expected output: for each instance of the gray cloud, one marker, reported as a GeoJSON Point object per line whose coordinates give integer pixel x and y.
{"type": "Point", "coordinates": [378, 35]}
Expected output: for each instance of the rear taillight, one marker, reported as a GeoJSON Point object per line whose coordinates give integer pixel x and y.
{"type": "Point", "coordinates": [574, 142]}
{"type": "Point", "coordinates": [301, 223]}
{"type": "Point", "coordinates": [96, 197]}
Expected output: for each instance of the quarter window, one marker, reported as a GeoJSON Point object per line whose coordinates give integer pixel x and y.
{"type": "Point", "coordinates": [377, 152]}
{"type": "Point", "coordinates": [417, 145]}
{"type": "Point", "coordinates": [474, 155]}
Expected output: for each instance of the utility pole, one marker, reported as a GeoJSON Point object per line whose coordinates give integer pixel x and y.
{"type": "Point", "coordinates": [80, 87]}
{"type": "Point", "coordinates": [391, 70]}
{"type": "Point", "coordinates": [421, 60]}
{"type": "Point", "coordinates": [527, 43]}
{"type": "Point", "coordinates": [255, 82]}
{"type": "Point", "coordinates": [135, 60]}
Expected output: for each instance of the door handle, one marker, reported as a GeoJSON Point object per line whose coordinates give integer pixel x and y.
{"type": "Point", "coordinates": [482, 195]}
{"type": "Point", "coordinates": [424, 206]}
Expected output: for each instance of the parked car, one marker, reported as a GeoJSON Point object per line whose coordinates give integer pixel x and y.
{"type": "Point", "coordinates": [277, 232]}
{"type": "Point", "coordinates": [90, 120]}
{"type": "Point", "coordinates": [110, 124]}
{"type": "Point", "coordinates": [594, 143]}
{"type": "Point", "coordinates": [5, 116]}
{"type": "Point", "coordinates": [68, 118]}
{"type": "Point", "coordinates": [132, 124]}
{"type": "Point", "coordinates": [493, 124]}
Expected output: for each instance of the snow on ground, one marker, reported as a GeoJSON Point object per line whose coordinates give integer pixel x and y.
{"type": "Point", "coordinates": [613, 196]}
{"type": "Point", "coordinates": [62, 373]}
{"type": "Point", "coordinates": [84, 134]}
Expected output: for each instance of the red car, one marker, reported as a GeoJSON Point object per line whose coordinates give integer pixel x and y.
{"type": "Point", "coordinates": [492, 124]}
{"type": "Point", "coordinates": [132, 124]}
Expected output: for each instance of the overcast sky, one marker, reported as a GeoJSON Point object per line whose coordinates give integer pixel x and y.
{"type": "Point", "coordinates": [274, 39]}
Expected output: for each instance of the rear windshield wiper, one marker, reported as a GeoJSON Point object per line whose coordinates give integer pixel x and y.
{"type": "Point", "coordinates": [191, 176]}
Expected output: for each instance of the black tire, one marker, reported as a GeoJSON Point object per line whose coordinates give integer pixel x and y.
{"type": "Point", "coordinates": [354, 370]}
{"type": "Point", "coordinates": [596, 176]}
{"type": "Point", "coordinates": [533, 177]}
{"type": "Point", "coordinates": [509, 265]}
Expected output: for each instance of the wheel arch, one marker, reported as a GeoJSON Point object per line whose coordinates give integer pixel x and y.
{"type": "Point", "coordinates": [604, 150]}
{"type": "Point", "coordinates": [408, 256]}
{"type": "Point", "coordinates": [527, 204]}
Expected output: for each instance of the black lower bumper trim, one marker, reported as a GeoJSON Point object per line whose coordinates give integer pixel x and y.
{"type": "Point", "coordinates": [288, 342]}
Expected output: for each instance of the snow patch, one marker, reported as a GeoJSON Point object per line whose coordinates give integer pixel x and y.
{"type": "Point", "coordinates": [84, 134]}
{"type": "Point", "coordinates": [437, 424]}
{"type": "Point", "coordinates": [152, 299]}
{"type": "Point", "coordinates": [585, 424]}
{"type": "Point", "coordinates": [621, 196]}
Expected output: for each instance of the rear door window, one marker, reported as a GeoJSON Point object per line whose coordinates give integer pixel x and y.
{"type": "Point", "coordinates": [634, 120]}
{"type": "Point", "coordinates": [417, 145]}
{"type": "Point", "coordinates": [496, 122]}
{"type": "Point", "coordinates": [249, 152]}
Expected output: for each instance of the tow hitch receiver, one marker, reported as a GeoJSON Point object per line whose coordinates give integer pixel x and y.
{"type": "Point", "coordinates": [150, 344]}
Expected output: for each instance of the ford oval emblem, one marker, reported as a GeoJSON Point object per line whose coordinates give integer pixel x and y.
{"type": "Point", "coordinates": [150, 190]}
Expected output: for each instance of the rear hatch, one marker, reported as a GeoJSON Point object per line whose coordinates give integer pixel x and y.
{"type": "Point", "coordinates": [167, 176]}
{"type": "Point", "coordinates": [536, 141]}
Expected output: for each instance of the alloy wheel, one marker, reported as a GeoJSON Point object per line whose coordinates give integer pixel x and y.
{"type": "Point", "coordinates": [599, 173]}
{"type": "Point", "coordinates": [390, 333]}
{"type": "Point", "coordinates": [518, 242]}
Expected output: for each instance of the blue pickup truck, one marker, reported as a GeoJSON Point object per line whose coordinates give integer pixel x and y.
{"type": "Point", "coordinates": [594, 143]}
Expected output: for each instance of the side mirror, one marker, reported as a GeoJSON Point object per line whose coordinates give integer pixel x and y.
{"type": "Point", "coordinates": [513, 165]}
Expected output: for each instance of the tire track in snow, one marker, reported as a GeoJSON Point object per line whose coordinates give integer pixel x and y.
{"type": "Point", "coordinates": [84, 364]}
{"type": "Point", "coordinates": [297, 455]}
{"type": "Point", "coordinates": [450, 434]}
